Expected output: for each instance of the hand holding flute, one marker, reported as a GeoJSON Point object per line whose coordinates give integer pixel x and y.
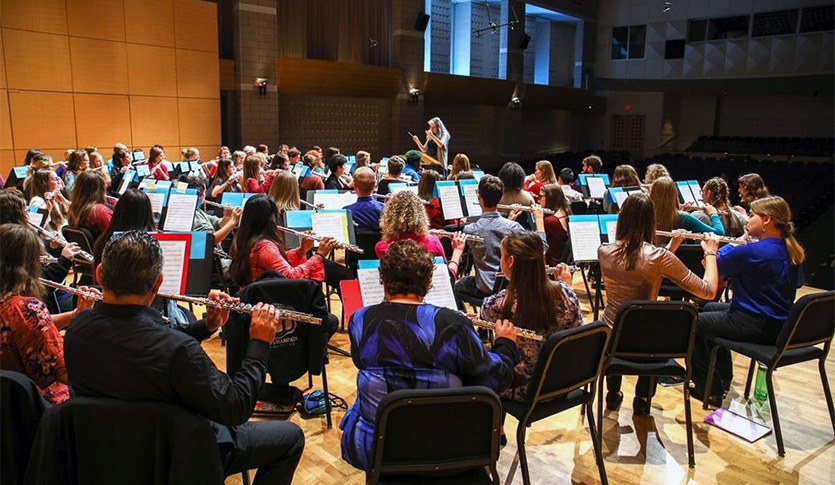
{"type": "Point", "coordinates": [451, 235]}
{"type": "Point", "coordinates": [505, 329]}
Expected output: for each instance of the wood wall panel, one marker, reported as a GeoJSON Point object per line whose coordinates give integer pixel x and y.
{"type": "Point", "coordinates": [227, 75]}
{"type": "Point", "coordinates": [102, 120]}
{"type": "Point", "coordinates": [97, 19]}
{"type": "Point", "coordinates": [5, 122]}
{"type": "Point", "coordinates": [98, 66]}
{"type": "Point", "coordinates": [55, 153]}
{"type": "Point", "coordinates": [7, 161]}
{"type": "Point", "coordinates": [37, 61]}
{"type": "Point", "coordinates": [2, 64]}
{"type": "Point", "coordinates": [316, 78]}
{"type": "Point", "coordinates": [199, 121]}
{"type": "Point", "coordinates": [197, 74]}
{"type": "Point", "coordinates": [152, 71]}
{"type": "Point", "coordinates": [150, 22]}
{"type": "Point", "coordinates": [196, 25]}
{"type": "Point", "coordinates": [154, 120]}
{"type": "Point", "coordinates": [42, 119]}
{"type": "Point", "coordinates": [48, 16]}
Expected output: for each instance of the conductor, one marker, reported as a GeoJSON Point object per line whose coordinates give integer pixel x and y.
{"type": "Point", "coordinates": [437, 141]}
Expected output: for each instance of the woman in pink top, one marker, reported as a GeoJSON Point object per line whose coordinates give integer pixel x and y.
{"type": "Point", "coordinates": [405, 218]}
{"type": "Point", "coordinates": [255, 181]}
{"type": "Point", "coordinates": [156, 168]}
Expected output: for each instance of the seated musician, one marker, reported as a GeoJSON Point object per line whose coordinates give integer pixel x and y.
{"type": "Point", "coordinates": [426, 191]}
{"type": "Point", "coordinates": [405, 218]}
{"type": "Point", "coordinates": [716, 193]}
{"type": "Point", "coordinates": [121, 164]}
{"type": "Point", "coordinates": [531, 300]}
{"type": "Point", "coordinates": [336, 164]}
{"type": "Point", "coordinates": [366, 211]}
{"type": "Point", "coordinates": [45, 193]}
{"type": "Point", "coordinates": [395, 169]}
{"type": "Point", "coordinates": [556, 224]}
{"type": "Point", "coordinates": [29, 340]}
{"type": "Point", "coordinates": [625, 176]}
{"type": "Point", "coordinates": [255, 181]}
{"type": "Point", "coordinates": [133, 212]}
{"type": "Point", "coordinates": [412, 167]}
{"type": "Point", "coordinates": [460, 164]}
{"type": "Point", "coordinates": [512, 176]}
{"type": "Point", "coordinates": [491, 227]}
{"type": "Point", "coordinates": [226, 180]}
{"type": "Point", "coordinates": [285, 192]}
{"type": "Point", "coordinates": [452, 357]}
{"type": "Point", "coordinates": [311, 181]}
{"type": "Point", "coordinates": [542, 176]}
{"type": "Point", "coordinates": [205, 222]}
{"type": "Point", "coordinates": [121, 350]}
{"type": "Point", "coordinates": [654, 172]}
{"type": "Point", "coordinates": [763, 283]}
{"type": "Point", "coordinates": [564, 180]}
{"type": "Point", "coordinates": [664, 195]}
{"type": "Point", "coordinates": [88, 207]}
{"type": "Point", "coordinates": [633, 268]}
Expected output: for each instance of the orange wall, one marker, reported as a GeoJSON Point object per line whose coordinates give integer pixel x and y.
{"type": "Point", "coordinates": [75, 73]}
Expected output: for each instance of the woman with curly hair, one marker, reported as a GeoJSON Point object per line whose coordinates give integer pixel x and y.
{"type": "Point", "coordinates": [405, 218]}
{"type": "Point", "coordinates": [654, 172]}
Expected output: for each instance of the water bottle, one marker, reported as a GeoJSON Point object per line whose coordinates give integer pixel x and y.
{"type": "Point", "coordinates": [760, 390]}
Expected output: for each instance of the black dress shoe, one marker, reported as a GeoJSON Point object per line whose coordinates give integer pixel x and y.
{"type": "Point", "coordinates": [640, 407]}
{"type": "Point", "coordinates": [613, 400]}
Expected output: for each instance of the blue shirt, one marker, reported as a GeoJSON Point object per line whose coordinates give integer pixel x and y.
{"type": "Point", "coordinates": [410, 171]}
{"type": "Point", "coordinates": [366, 213]}
{"type": "Point", "coordinates": [763, 280]}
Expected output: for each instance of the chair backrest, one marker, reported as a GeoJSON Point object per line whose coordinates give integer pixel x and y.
{"type": "Point", "coordinates": [691, 255]}
{"type": "Point", "coordinates": [79, 235]}
{"type": "Point", "coordinates": [811, 321]}
{"type": "Point", "coordinates": [653, 329]}
{"type": "Point", "coordinates": [351, 297]}
{"type": "Point", "coordinates": [569, 359]}
{"type": "Point", "coordinates": [464, 431]}
{"type": "Point", "coordinates": [95, 440]}
{"type": "Point", "coordinates": [21, 407]}
{"type": "Point", "coordinates": [366, 240]}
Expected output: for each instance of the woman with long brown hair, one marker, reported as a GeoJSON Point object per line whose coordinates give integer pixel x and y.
{"type": "Point", "coordinates": [88, 208]}
{"type": "Point", "coordinates": [668, 217]}
{"type": "Point", "coordinates": [715, 192]}
{"type": "Point", "coordinates": [156, 168]}
{"type": "Point", "coordinates": [543, 175]}
{"type": "Point", "coordinates": [531, 297]}
{"type": "Point", "coordinates": [633, 268]}
{"type": "Point", "coordinates": [77, 162]}
{"type": "Point", "coordinates": [625, 176]}
{"type": "Point", "coordinates": [461, 163]}
{"type": "Point", "coordinates": [764, 277]}
{"type": "Point", "coordinates": [45, 192]}
{"type": "Point", "coordinates": [751, 188]}
{"type": "Point", "coordinates": [226, 180]}
{"type": "Point", "coordinates": [556, 224]}
{"type": "Point", "coordinates": [255, 181]}
{"type": "Point", "coordinates": [426, 191]}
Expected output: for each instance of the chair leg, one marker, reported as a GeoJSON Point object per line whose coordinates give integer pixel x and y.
{"type": "Point", "coordinates": [750, 378]}
{"type": "Point", "coordinates": [596, 443]}
{"type": "Point", "coordinates": [709, 379]}
{"type": "Point", "coordinates": [653, 381]}
{"type": "Point", "coordinates": [583, 408]}
{"type": "Point", "coordinates": [691, 455]}
{"type": "Point", "coordinates": [523, 457]}
{"type": "Point", "coordinates": [775, 419]}
{"type": "Point", "coordinates": [827, 392]}
{"type": "Point", "coordinates": [327, 395]}
{"type": "Point", "coordinates": [245, 477]}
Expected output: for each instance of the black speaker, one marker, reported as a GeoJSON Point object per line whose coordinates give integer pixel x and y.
{"type": "Point", "coordinates": [421, 22]}
{"type": "Point", "coordinates": [524, 41]}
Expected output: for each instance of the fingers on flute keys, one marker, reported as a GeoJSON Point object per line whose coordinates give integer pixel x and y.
{"type": "Point", "coordinates": [264, 323]}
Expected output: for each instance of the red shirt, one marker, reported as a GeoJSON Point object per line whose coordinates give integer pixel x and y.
{"type": "Point", "coordinates": [533, 186]}
{"type": "Point", "coordinates": [253, 187]}
{"type": "Point", "coordinates": [157, 173]}
{"type": "Point", "coordinates": [30, 344]}
{"type": "Point", "coordinates": [312, 182]}
{"type": "Point", "coordinates": [430, 242]}
{"type": "Point", "coordinates": [436, 216]}
{"type": "Point", "coordinates": [556, 236]}
{"type": "Point", "coordinates": [98, 220]}
{"type": "Point", "coordinates": [266, 255]}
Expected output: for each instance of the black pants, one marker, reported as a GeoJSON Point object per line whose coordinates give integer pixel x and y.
{"type": "Point", "coordinates": [719, 320]}
{"type": "Point", "coordinates": [273, 447]}
{"type": "Point", "coordinates": [335, 272]}
{"type": "Point", "coordinates": [642, 387]}
{"type": "Point", "coordinates": [467, 286]}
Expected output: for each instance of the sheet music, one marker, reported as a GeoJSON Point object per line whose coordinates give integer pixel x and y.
{"type": "Point", "coordinates": [410, 188]}
{"type": "Point", "coordinates": [180, 216]}
{"type": "Point", "coordinates": [157, 199]}
{"type": "Point", "coordinates": [298, 171]}
{"type": "Point", "coordinates": [612, 229]}
{"type": "Point", "coordinates": [331, 224]}
{"type": "Point", "coordinates": [440, 294]}
{"type": "Point", "coordinates": [596, 187]}
{"type": "Point", "coordinates": [620, 198]}
{"type": "Point", "coordinates": [371, 289]}
{"type": "Point", "coordinates": [697, 193]}
{"type": "Point", "coordinates": [127, 178]}
{"type": "Point", "coordinates": [450, 202]}
{"type": "Point", "coordinates": [173, 255]}
{"type": "Point", "coordinates": [585, 239]}
{"type": "Point", "coordinates": [334, 201]}
{"type": "Point", "coordinates": [36, 218]}
{"type": "Point", "coordinates": [471, 200]}
{"type": "Point", "coordinates": [686, 194]}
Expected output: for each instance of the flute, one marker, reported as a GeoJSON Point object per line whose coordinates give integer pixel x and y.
{"type": "Point", "coordinates": [340, 245]}
{"type": "Point", "coordinates": [521, 332]}
{"type": "Point", "coordinates": [520, 207]}
{"type": "Point", "coordinates": [46, 259]}
{"type": "Point", "coordinates": [221, 253]}
{"type": "Point", "coordinates": [312, 206]}
{"type": "Point", "coordinates": [388, 196]}
{"type": "Point", "coordinates": [59, 240]}
{"type": "Point", "coordinates": [71, 290]}
{"type": "Point", "coordinates": [442, 233]}
{"type": "Point", "coordinates": [242, 308]}
{"type": "Point", "coordinates": [219, 206]}
{"type": "Point", "coordinates": [550, 270]}
{"type": "Point", "coordinates": [703, 236]}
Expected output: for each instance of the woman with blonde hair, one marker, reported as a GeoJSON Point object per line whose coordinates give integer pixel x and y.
{"type": "Point", "coordinates": [285, 192]}
{"type": "Point", "coordinates": [654, 172]}
{"type": "Point", "coordinates": [668, 217]}
{"type": "Point", "coordinates": [405, 218]}
{"type": "Point", "coordinates": [764, 279]}
{"type": "Point", "coordinates": [543, 175]}
{"type": "Point", "coordinates": [716, 193]}
{"type": "Point", "coordinates": [97, 163]}
{"type": "Point", "coordinates": [461, 163]}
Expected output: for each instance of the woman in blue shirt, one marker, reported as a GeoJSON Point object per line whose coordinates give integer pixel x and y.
{"type": "Point", "coordinates": [404, 343]}
{"type": "Point", "coordinates": [763, 281]}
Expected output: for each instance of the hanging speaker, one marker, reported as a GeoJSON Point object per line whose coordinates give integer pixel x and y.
{"type": "Point", "coordinates": [524, 41]}
{"type": "Point", "coordinates": [422, 21]}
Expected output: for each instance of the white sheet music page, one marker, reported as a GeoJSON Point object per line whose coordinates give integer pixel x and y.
{"type": "Point", "coordinates": [370, 287]}
{"type": "Point", "coordinates": [471, 200]}
{"type": "Point", "coordinates": [156, 201]}
{"type": "Point", "coordinates": [36, 218]}
{"type": "Point", "coordinates": [585, 239]}
{"type": "Point", "coordinates": [331, 224]}
{"type": "Point", "coordinates": [450, 202]}
{"type": "Point", "coordinates": [686, 194]}
{"type": "Point", "coordinates": [596, 187]}
{"type": "Point", "coordinates": [620, 198]}
{"type": "Point", "coordinates": [180, 216]}
{"type": "Point", "coordinates": [334, 201]}
{"type": "Point", "coordinates": [127, 178]}
{"type": "Point", "coordinates": [612, 229]}
{"type": "Point", "coordinates": [173, 256]}
{"type": "Point", "coordinates": [440, 294]}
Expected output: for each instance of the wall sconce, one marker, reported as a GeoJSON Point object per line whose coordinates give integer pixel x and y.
{"type": "Point", "coordinates": [260, 84]}
{"type": "Point", "coordinates": [515, 102]}
{"type": "Point", "coordinates": [414, 94]}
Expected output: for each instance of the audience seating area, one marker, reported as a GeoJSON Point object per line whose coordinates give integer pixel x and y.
{"type": "Point", "coordinates": [745, 145]}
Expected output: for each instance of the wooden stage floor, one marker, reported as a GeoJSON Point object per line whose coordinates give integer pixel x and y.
{"type": "Point", "coordinates": [636, 449]}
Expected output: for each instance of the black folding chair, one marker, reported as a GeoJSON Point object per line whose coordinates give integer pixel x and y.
{"type": "Point", "coordinates": [84, 238]}
{"type": "Point", "coordinates": [647, 337]}
{"type": "Point", "coordinates": [691, 255]}
{"type": "Point", "coordinates": [569, 361]}
{"type": "Point", "coordinates": [461, 442]}
{"type": "Point", "coordinates": [810, 323]}
{"type": "Point", "coordinates": [21, 408]}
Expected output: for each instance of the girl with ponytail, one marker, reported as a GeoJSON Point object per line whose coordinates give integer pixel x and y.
{"type": "Point", "coordinates": [764, 279]}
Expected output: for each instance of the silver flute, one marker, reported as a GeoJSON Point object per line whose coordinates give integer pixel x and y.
{"type": "Point", "coordinates": [312, 206]}
{"type": "Point", "coordinates": [340, 245]}
{"type": "Point", "coordinates": [705, 235]}
{"type": "Point", "coordinates": [520, 207]}
{"type": "Point", "coordinates": [449, 234]}
{"type": "Point", "coordinates": [220, 252]}
{"type": "Point", "coordinates": [388, 196]}
{"type": "Point", "coordinates": [243, 308]}
{"type": "Point", "coordinates": [46, 259]}
{"type": "Point", "coordinates": [551, 270]}
{"type": "Point", "coordinates": [59, 240]}
{"type": "Point", "coordinates": [521, 332]}
{"type": "Point", "coordinates": [71, 290]}
{"type": "Point", "coordinates": [219, 206]}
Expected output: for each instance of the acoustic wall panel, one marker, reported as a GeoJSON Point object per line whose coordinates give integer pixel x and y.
{"type": "Point", "coordinates": [98, 66]}
{"type": "Point", "coordinates": [152, 71]}
{"type": "Point", "coordinates": [199, 120]}
{"type": "Point", "coordinates": [37, 61]}
{"type": "Point", "coordinates": [7, 161]}
{"type": "Point", "coordinates": [3, 84]}
{"type": "Point", "coordinates": [150, 22]}
{"type": "Point", "coordinates": [5, 123]}
{"type": "Point", "coordinates": [154, 120]}
{"type": "Point", "coordinates": [102, 119]}
{"type": "Point", "coordinates": [197, 74]}
{"type": "Point", "coordinates": [49, 16]}
{"type": "Point", "coordinates": [193, 19]}
{"type": "Point", "coordinates": [33, 111]}
{"type": "Point", "coordinates": [96, 19]}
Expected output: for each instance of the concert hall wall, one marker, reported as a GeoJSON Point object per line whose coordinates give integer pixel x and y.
{"type": "Point", "coordinates": [88, 72]}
